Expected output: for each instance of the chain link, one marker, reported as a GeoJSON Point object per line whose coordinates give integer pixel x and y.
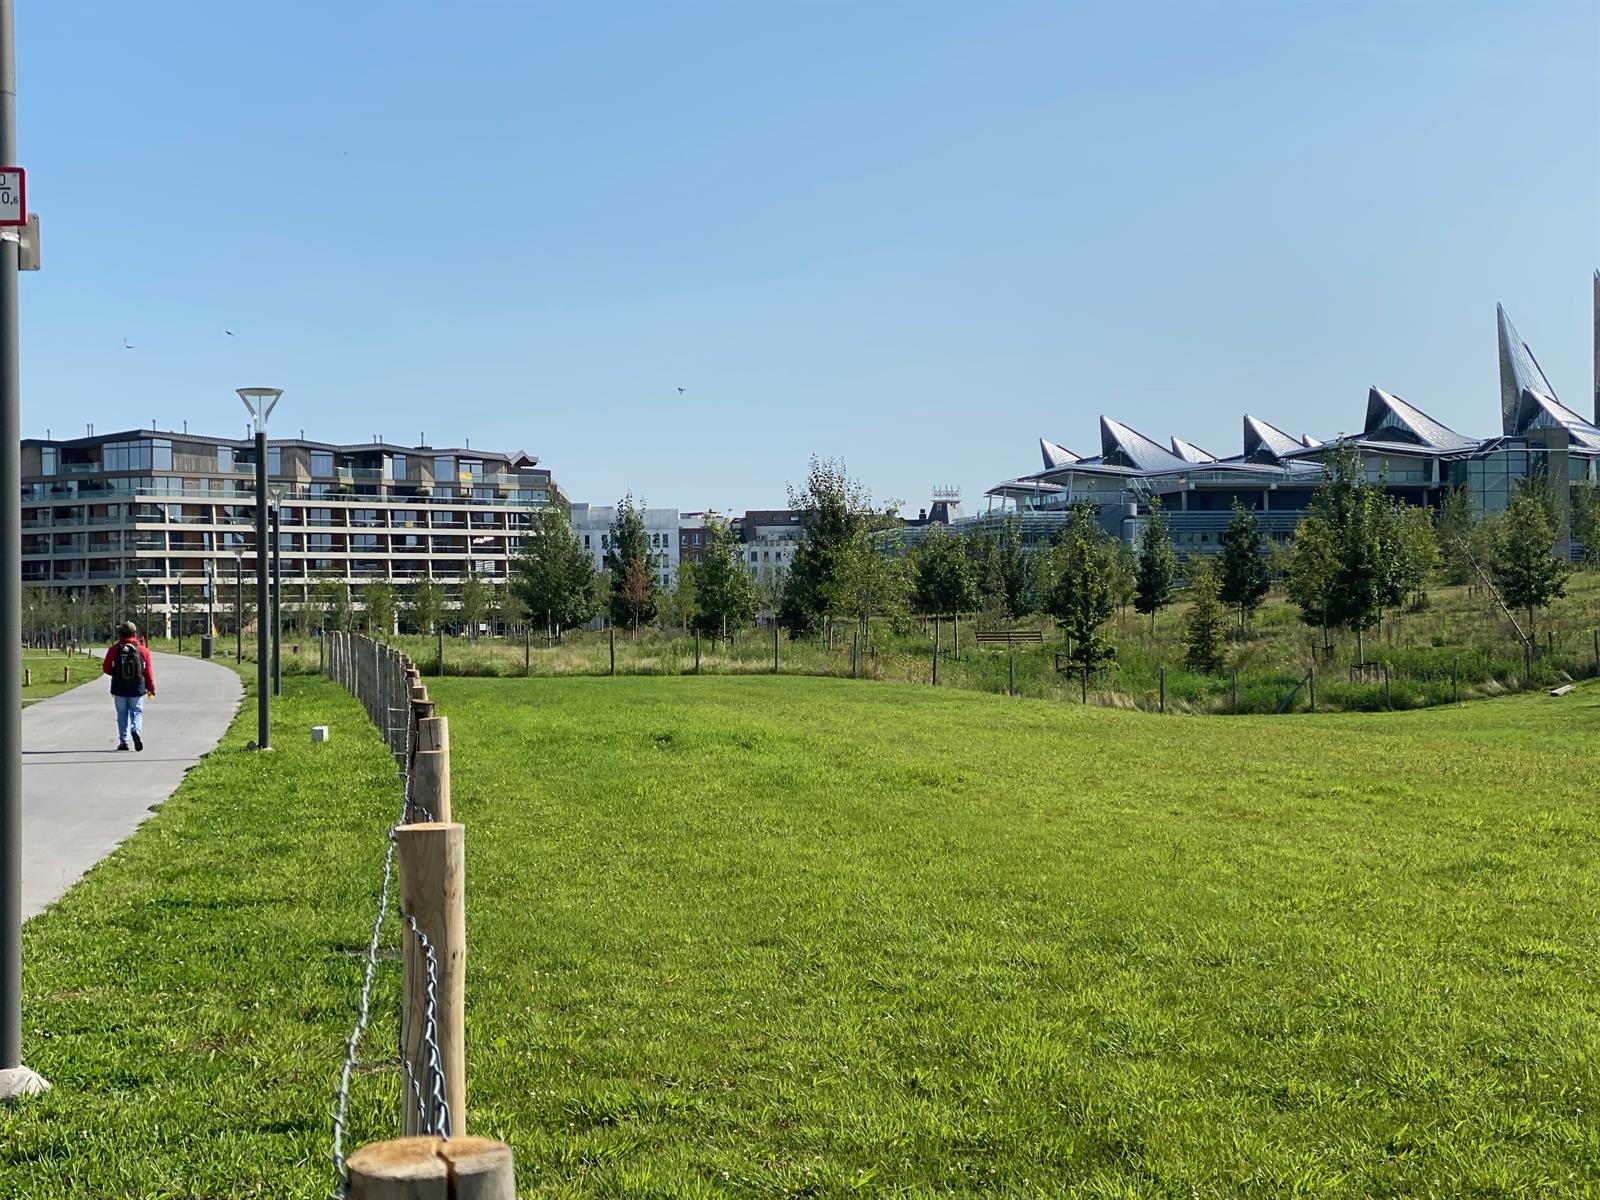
{"type": "Point", "coordinates": [341, 1105]}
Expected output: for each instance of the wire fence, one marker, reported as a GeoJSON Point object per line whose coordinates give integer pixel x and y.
{"type": "Point", "coordinates": [381, 679]}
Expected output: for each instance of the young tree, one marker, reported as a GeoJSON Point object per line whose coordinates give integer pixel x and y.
{"type": "Point", "coordinates": [1016, 568]}
{"type": "Point", "coordinates": [1313, 567]}
{"type": "Point", "coordinates": [874, 579]}
{"type": "Point", "coordinates": [379, 599]}
{"type": "Point", "coordinates": [1077, 596]}
{"type": "Point", "coordinates": [1454, 530]}
{"type": "Point", "coordinates": [631, 562]}
{"type": "Point", "coordinates": [1355, 513]}
{"type": "Point", "coordinates": [424, 605]}
{"type": "Point", "coordinates": [724, 593]}
{"type": "Point", "coordinates": [331, 597]}
{"type": "Point", "coordinates": [1203, 633]}
{"type": "Point", "coordinates": [1524, 570]}
{"type": "Point", "coordinates": [833, 509]}
{"type": "Point", "coordinates": [1157, 567]}
{"type": "Point", "coordinates": [1585, 508]}
{"type": "Point", "coordinates": [1122, 574]}
{"type": "Point", "coordinates": [474, 602]}
{"type": "Point", "coordinates": [1242, 580]}
{"type": "Point", "coordinates": [944, 583]}
{"type": "Point", "coordinates": [553, 577]}
{"type": "Point", "coordinates": [1416, 553]}
{"type": "Point", "coordinates": [506, 609]}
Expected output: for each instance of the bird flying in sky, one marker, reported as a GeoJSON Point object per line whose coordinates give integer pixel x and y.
{"type": "Point", "coordinates": [126, 346]}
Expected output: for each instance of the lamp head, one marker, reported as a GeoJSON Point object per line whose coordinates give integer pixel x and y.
{"type": "Point", "coordinates": [260, 402]}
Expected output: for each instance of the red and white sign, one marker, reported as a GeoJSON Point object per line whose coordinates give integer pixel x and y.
{"type": "Point", "coordinates": [13, 196]}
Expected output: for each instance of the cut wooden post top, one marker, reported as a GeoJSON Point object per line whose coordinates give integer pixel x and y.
{"type": "Point", "coordinates": [433, 733]}
{"type": "Point", "coordinates": [430, 1168]}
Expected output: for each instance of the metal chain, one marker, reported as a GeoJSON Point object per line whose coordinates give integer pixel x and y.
{"type": "Point", "coordinates": [439, 1124]}
{"type": "Point", "coordinates": [364, 1004]}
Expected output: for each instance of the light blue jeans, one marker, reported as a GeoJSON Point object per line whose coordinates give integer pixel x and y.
{"type": "Point", "coordinates": [130, 716]}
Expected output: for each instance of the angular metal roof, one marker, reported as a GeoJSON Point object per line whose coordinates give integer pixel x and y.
{"type": "Point", "coordinates": [1263, 441]}
{"type": "Point", "coordinates": [1390, 418]}
{"type": "Point", "coordinates": [1122, 446]}
{"type": "Point", "coordinates": [1055, 455]}
{"type": "Point", "coordinates": [1519, 372]}
{"type": "Point", "coordinates": [1539, 411]}
{"type": "Point", "coordinates": [1189, 452]}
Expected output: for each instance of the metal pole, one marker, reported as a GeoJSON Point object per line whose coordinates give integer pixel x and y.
{"type": "Point", "coordinates": [263, 650]}
{"type": "Point", "coordinates": [277, 603]}
{"type": "Point", "coordinates": [15, 1079]}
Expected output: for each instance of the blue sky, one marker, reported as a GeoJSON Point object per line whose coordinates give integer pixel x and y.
{"type": "Point", "coordinates": [916, 237]}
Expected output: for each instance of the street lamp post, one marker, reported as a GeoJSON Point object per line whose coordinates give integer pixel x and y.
{"type": "Point", "coordinates": [238, 606]}
{"type": "Point", "coordinates": [277, 589]}
{"type": "Point", "coordinates": [260, 402]}
{"type": "Point", "coordinates": [211, 609]}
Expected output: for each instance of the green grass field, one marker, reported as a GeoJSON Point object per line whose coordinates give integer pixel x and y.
{"type": "Point", "coordinates": [803, 937]}
{"type": "Point", "coordinates": [47, 673]}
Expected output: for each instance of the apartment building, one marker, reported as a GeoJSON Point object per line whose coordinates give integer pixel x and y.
{"type": "Point", "coordinates": [171, 510]}
{"type": "Point", "coordinates": [591, 523]}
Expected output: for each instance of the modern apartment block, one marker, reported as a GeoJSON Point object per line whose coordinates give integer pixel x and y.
{"type": "Point", "coordinates": [166, 509]}
{"type": "Point", "coordinates": [592, 525]}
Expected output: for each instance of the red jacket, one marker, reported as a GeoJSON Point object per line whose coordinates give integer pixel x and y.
{"type": "Point", "coordinates": [149, 671]}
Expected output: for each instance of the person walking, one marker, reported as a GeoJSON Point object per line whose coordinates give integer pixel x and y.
{"type": "Point", "coordinates": [132, 679]}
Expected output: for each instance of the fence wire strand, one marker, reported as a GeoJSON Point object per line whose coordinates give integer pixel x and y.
{"type": "Point", "coordinates": [341, 667]}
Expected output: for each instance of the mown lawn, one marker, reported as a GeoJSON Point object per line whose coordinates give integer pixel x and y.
{"type": "Point", "coordinates": [47, 673]}
{"type": "Point", "coordinates": [757, 937]}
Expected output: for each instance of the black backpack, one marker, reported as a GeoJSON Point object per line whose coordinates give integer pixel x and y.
{"type": "Point", "coordinates": [127, 671]}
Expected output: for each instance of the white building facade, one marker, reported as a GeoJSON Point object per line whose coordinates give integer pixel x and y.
{"type": "Point", "coordinates": [591, 524]}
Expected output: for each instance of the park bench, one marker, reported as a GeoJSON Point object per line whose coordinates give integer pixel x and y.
{"type": "Point", "coordinates": [1009, 637]}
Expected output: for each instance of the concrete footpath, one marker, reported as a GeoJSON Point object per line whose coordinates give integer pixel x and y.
{"type": "Point", "coordinates": [81, 795]}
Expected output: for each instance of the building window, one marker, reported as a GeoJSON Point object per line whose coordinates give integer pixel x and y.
{"type": "Point", "coordinates": [322, 463]}
{"type": "Point", "coordinates": [444, 469]}
{"type": "Point", "coordinates": [586, 541]}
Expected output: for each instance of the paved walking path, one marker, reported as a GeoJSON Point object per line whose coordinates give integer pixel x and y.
{"type": "Point", "coordinates": [81, 795]}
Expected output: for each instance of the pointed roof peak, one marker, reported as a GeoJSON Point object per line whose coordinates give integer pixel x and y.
{"type": "Point", "coordinates": [1055, 454]}
{"type": "Point", "coordinates": [1390, 418]}
{"type": "Point", "coordinates": [1519, 371]}
{"type": "Point", "coordinates": [1123, 446]}
{"type": "Point", "coordinates": [1189, 452]}
{"type": "Point", "coordinates": [1264, 441]}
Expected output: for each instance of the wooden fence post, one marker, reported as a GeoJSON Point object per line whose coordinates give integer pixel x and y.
{"type": "Point", "coordinates": [432, 881]}
{"type": "Point", "coordinates": [697, 652]}
{"type": "Point", "coordinates": [527, 649]}
{"type": "Point", "coordinates": [66, 673]}
{"type": "Point", "coordinates": [1455, 680]}
{"type": "Point", "coordinates": [1011, 668]}
{"type": "Point", "coordinates": [440, 661]}
{"type": "Point", "coordinates": [1163, 689]}
{"type": "Point", "coordinates": [1388, 700]}
{"type": "Point", "coordinates": [27, 676]}
{"type": "Point", "coordinates": [955, 627]}
{"type": "Point", "coordinates": [774, 647]}
{"type": "Point", "coordinates": [613, 649]}
{"type": "Point", "coordinates": [1085, 681]}
{"type": "Point", "coordinates": [430, 768]}
{"type": "Point", "coordinates": [1236, 691]}
{"type": "Point", "coordinates": [428, 1168]}
{"type": "Point", "coordinates": [1311, 687]}
{"type": "Point", "coordinates": [855, 653]}
{"type": "Point", "coordinates": [937, 621]}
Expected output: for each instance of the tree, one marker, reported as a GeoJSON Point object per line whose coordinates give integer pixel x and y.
{"type": "Point", "coordinates": [1203, 634]}
{"type": "Point", "coordinates": [833, 510]}
{"type": "Point", "coordinates": [1243, 579]}
{"type": "Point", "coordinates": [1016, 568]}
{"type": "Point", "coordinates": [631, 565]}
{"type": "Point", "coordinates": [874, 579]}
{"type": "Point", "coordinates": [1077, 596]}
{"type": "Point", "coordinates": [424, 605]}
{"type": "Point", "coordinates": [1157, 566]}
{"type": "Point", "coordinates": [1524, 570]}
{"type": "Point", "coordinates": [1355, 513]}
{"type": "Point", "coordinates": [1454, 530]}
{"type": "Point", "coordinates": [682, 598]}
{"type": "Point", "coordinates": [724, 594]}
{"type": "Point", "coordinates": [379, 598]}
{"type": "Point", "coordinates": [943, 575]}
{"type": "Point", "coordinates": [474, 601]}
{"type": "Point", "coordinates": [1313, 567]}
{"type": "Point", "coordinates": [553, 577]}
{"type": "Point", "coordinates": [331, 597]}
{"type": "Point", "coordinates": [637, 593]}
{"type": "Point", "coordinates": [506, 608]}
{"type": "Point", "coordinates": [1585, 509]}
{"type": "Point", "coordinates": [1122, 574]}
{"type": "Point", "coordinates": [1416, 552]}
